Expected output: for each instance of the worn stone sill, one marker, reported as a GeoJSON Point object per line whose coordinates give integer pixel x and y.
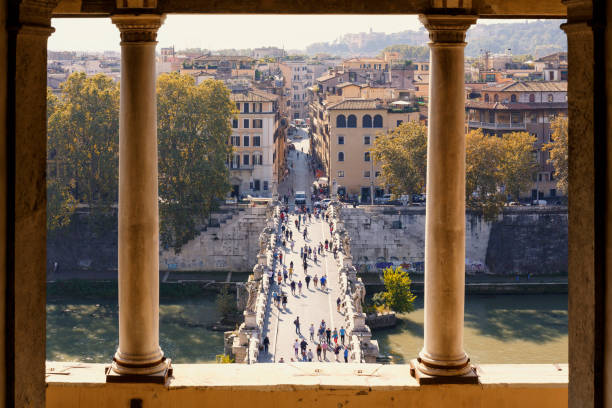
{"type": "Point", "coordinates": [295, 376]}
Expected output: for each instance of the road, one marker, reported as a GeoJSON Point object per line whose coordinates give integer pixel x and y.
{"type": "Point", "coordinates": [314, 304]}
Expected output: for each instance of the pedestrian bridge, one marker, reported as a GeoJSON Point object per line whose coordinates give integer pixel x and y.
{"type": "Point", "coordinates": [338, 305]}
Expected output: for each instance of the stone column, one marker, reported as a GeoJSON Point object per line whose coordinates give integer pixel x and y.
{"type": "Point", "coordinates": [139, 355]}
{"type": "Point", "coordinates": [442, 354]}
{"type": "Point", "coordinates": [25, 27]}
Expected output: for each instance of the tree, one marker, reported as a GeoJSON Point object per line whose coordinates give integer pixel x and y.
{"type": "Point", "coordinates": [82, 146]}
{"type": "Point", "coordinates": [397, 295]}
{"type": "Point", "coordinates": [402, 155]}
{"type": "Point", "coordinates": [193, 130]}
{"type": "Point", "coordinates": [518, 163]}
{"type": "Point", "coordinates": [483, 155]}
{"type": "Point", "coordinates": [558, 152]}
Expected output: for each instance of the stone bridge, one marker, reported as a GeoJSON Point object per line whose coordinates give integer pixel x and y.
{"type": "Point", "coordinates": [262, 318]}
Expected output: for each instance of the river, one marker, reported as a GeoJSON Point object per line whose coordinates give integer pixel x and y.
{"type": "Point", "coordinates": [498, 329]}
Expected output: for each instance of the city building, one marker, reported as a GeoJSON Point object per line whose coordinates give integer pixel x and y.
{"type": "Point", "coordinates": [298, 77]}
{"type": "Point", "coordinates": [258, 160]}
{"type": "Point", "coordinates": [553, 66]}
{"type": "Point", "coordinates": [522, 107]}
{"type": "Point", "coordinates": [343, 133]}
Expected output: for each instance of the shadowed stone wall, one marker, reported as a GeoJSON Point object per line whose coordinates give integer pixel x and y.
{"type": "Point", "coordinates": [525, 240]}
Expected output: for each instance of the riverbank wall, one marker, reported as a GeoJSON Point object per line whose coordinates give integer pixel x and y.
{"type": "Point", "coordinates": [521, 240]}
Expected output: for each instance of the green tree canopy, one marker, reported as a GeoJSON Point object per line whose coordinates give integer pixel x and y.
{"type": "Point", "coordinates": [402, 155]}
{"type": "Point", "coordinates": [82, 147]}
{"type": "Point", "coordinates": [558, 152]}
{"type": "Point", "coordinates": [397, 296]}
{"type": "Point", "coordinates": [193, 130]}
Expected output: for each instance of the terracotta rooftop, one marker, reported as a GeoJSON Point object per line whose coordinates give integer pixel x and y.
{"type": "Point", "coordinates": [560, 86]}
{"type": "Point", "coordinates": [253, 96]}
{"type": "Point", "coordinates": [355, 104]}
{"type": "Point", "coordinates": [515, 106]}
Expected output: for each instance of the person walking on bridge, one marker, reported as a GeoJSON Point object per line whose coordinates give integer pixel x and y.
{"type": "Point", "coordinates": [311, 330]}
{"type": "Point", "coordinates": [293, 288]}
{"type": "Point", "coordinates": [307, 279]}
{"type": "Point", "coordinates": [297, 325]}
{"type": "Point", "coordinates": [315, 280]}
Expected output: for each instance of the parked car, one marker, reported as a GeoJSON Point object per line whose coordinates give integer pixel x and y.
{"type": "Point", "coordinates": [539, 202]}
{"type": "Point", "coordinates": [323, 203]}
{"type": "Point", "coordinates": [383, 200]}
{"type": "Point", "coordinates": [300, 197]}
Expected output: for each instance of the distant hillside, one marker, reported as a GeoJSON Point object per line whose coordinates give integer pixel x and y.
{"type": "Point", "coordinates": [537, 38]}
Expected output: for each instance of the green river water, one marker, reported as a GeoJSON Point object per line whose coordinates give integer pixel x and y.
{"type": "Point", "coordinates": [498, 329]}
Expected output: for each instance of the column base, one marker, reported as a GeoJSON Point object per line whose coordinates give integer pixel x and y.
{"type": "Point", "coordinates": [426, 379]}
{"type": "Point", "coordinates": [160, 377]}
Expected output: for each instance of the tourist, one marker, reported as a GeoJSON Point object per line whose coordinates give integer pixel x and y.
{"type": "Point", "coordinates": [326, 244]}
{"type": "Point", "coordinates": [319, 349]}
{"type": "Point", "coordinates": [281, 360]}
{"type": "Point", "coordinates": [284, 297]}
{"type": "Point", "coordinates": [310, 355]}
{"type": "Point", "coordinates": [321, 334]}
{"type": "Point", "coordinates": [279, 278]}
{"type": "Point", "coordinates": [323, 280]}
{"type": "Point", "coordinates": [293, 287]}
{"type": "Point", "coordinates": [328, 334]}
{"type": "Point", "coordinates": [338, 302]}
{"type": "Point", "coordinates": [346, 354]}
{"type": "Point", "coordinates": [315, 280]}
{"type": "Point", "coordinates": [284, 275]}
{"type": "Point", "coordinates": [323, 325]}
{"type": "Point", "coordinates": [342, 334]}
{"type": "Point", "coordinates": [305, 232]}
{"type": "Point", "coordinates": [291, 272]}
{"type": "Point", "coordinates": [309, 251]}
{"type": "Point", "coordinates": [315, 257]}
{"type": "Point", "coordinates": [307, 279]}
{"type": "Point", "coordinates": [280, 257]}
{"type": "Point", "coordinates": [303, 345]}
{"type": "Point", "coordinates": [337, 352]}
{"type": "Point", "coordinates": [301, 252]}
{"type": "Point", "coordinates": [271, 276]}
{"type": "Point", "coordinates": [296, 347]}
{"type": "Point", "coordinates": [297, 325]}
{"type": "Point", "coordinates": [266, 344]}
{"type": "Point", "coordinates": [335, 336]}
{"type": "Point", "coordinates": [311, 330]}
{"type": "Point", "coordinates": [292, 242]}
{"type": "Point", "coordinates": [300, 288]}
{"type": "Point", "coordinates": [324, 347]}
{"type": "Point", "coordinates": [291, 236]}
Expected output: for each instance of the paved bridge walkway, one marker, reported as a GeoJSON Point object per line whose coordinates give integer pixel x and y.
{"type": "Point", "coordinates": [314, 304]}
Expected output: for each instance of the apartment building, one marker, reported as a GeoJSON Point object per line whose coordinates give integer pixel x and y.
{"type": "Point", "coordinates": [258, 137]}
{"type": "Point", "coordinates": [522, 107]}
{"type": "Point", "coordinates": [343, 132]}
{"type": "Point", "coordinates": [298, 78]}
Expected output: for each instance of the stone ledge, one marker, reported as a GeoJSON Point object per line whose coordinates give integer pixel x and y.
{"type": "Point", "coordinates": [294, 376]}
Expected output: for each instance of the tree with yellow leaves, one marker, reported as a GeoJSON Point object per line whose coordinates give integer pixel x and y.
{"type": "Point", "coordinates": [558, 152]}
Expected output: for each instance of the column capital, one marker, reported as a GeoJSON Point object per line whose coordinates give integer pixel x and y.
{"type": "Point", "coordinates": [449, 29]}
{"type": "Point", "coordinates": [35, 17]}
{"type": "Point", "coordinates": [138, 28]}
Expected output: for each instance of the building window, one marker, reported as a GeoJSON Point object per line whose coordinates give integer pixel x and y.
{"type": "Point", "coordinates": [236, 161]}
{"type": "Point", "coordinates": [366, 140]}
{"type": "Point", "coordinates": [256, 141]}
{"type": "Point", "coordinates": [235, 140]}
{"type": "Point", "coordinates": [238, 106]}
{"type": "Point", "coordinates": [265, 185]}
{"type": "Point", "coordinates": [378, 121]}
{"type": "Point", "coordinates": [513, 98]}
{"type": "Point", "coordinates": [341, 156]}
{"type": "Point", "coordinates": [246, 108]}
{"type": "Point", "coordinates": [256, 185]}
{"type": "Point", "coordinates": [257, 123]}
{"type": "Point", "coordinates": [340, 173]}
{"type": "Point", "coordinates": [341, 121]}
{"type": "Point", "coordinates": [245, 159]}
{"type": "Point", "coordinates": [340, 140]}
{"type": "Point", "coordinates": [553, 192]}
{"type": "Point", "coordinates": [366, 174]}
{"type": "Point", "coordinates": [399, 122]}
{"type": "Point", "coordinates": [235, 123]}
{"type": "Point", "coordinates": [366, 121]}
{"type": "Point", "coordinates": [532, 98]}
{"type": "Point", "coordinates": [245, 140]}
{"type": "Point", "coordinates": [246, 124]}
{"type": "Point", "coordinates": [377, 174]}
{"type": "Point", "coordinates": [351, 121]}
{"type": "Point", "coordinates": [496, 98]}
{"type": "Point", "coordinates": [366, 156]}
{"type": "Point", "coordinates": [486, 97]}
{"type": "Point", "coordinates": [550, 98]}
{"type": "Point", "coordinates": [260, 107]}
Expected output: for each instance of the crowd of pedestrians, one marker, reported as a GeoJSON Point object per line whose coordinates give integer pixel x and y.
{"type": "Point", "coordinates": [325, 339]}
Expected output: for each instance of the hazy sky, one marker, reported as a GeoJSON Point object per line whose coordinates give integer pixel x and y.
{"type": "Point", "coordinates": [229, 31]}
